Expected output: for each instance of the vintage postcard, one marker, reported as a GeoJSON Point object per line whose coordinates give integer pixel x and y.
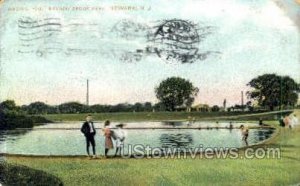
{"type": "Point", "coordinates": [157, 92]}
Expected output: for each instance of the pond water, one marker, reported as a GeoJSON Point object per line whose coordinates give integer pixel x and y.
{"type": "Point", "coordinates": [66, 138]}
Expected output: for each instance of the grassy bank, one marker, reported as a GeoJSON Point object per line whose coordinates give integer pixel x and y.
{"type": "Point", "coordinates": [163, 116]}
{"type": "Point", "coordinates": [199, 171]}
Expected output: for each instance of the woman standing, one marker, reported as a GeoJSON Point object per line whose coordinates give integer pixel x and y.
{"type": "Point", "coordinates": [107, 134]}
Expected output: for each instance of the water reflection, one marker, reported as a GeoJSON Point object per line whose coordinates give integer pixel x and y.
{"type": "Point", "coordinates": [2, 136]}
{"type": "Point", "coordinates": [262, 134]}
{"type": "Point", "coordinates": [172, 123]}
{"type": "Point", "coordinates": [11, 134]}
{"type": "Point", "coordinates": [178, 140]}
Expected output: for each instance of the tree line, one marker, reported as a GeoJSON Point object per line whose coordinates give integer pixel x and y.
{"type": "Point", "coordinates": [269, 91]}
{"type": "Point", "coordinates": [76, 107]}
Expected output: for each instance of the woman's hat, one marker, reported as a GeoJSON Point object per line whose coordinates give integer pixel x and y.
{"type": "Point", "coordinates": [120, 125]}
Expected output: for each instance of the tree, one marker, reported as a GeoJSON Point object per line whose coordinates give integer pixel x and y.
{"type": "Point", "coordinates": [148, 106]}
{"type": "Point", "coordinates": [159, 107]}
{"type": "Point", "coordinates": [98, 108]}
{"type": "Point", "coordinates": [8, 105]}
{"type": "Point", "coordinates": [72, 107]}
{"type": "Point", "coordinates": [176, 92]}
{"type": "Point", "coordinates": [137, 107]}
{"type": "Point", "coordinates": [11, 118]}
{"type": "Point", "coordinates": [121, 107]}
{"type": "Point", "coordinates": [271, 90]}
{"type": "Point", "coordinates": [37, 108]}
{"type": "Point", "coordinates": [215, 108]}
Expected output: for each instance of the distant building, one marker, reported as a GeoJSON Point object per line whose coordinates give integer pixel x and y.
{"type": "Point", "coordinates": [202, 108]}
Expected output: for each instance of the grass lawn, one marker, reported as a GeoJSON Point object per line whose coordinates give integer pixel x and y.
{"type": "Point", "coordinates": [163, 116]}
{"type": "Point", "coordinates": [199, 171]}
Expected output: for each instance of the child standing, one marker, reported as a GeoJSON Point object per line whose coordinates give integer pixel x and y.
{"type": "Point", "coordinates": [120, 138]}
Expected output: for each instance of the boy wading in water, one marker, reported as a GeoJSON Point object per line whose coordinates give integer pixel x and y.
{"type": "Point", "coordinates": [245, 133]}
{"type": "Point", "coordinates": [89, 132]}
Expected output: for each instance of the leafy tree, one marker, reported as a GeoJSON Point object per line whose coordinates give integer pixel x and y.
{"type": "Point", "coordinates": [159, 107]}
{"type": "Point", "coordinates": [176, 92]}
{"type": "Point", "coordinates": [249, 106]}
{"type": "Point", "coordinates": [99, 108]}
{"type": "Point", "coordinates": [37, 108]}
{"type": "Point", "coordinates": [215, 108]}
{"type": "Point", "coordinates": [138, 107]}
{"type": "Point", "coordinates": [148, 106]}
{"type": "Point", "coordinates": [8, 105]}
{"type": "Point", "coordinates": [121, 107]}
{"type": "Point", "coordinates": [11, 120]}
{"type": "Point", "coordinates": [271, 90]}
{"type": "Point", "coordinates": [72, 107]}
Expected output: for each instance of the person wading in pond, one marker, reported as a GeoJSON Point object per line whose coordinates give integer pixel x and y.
{"type": "Point", "coordinates": [89, 132]}
{"type": "Point", "coordinates": [108, 135]}
{"type": "Point", "coordinates": [245, 133]}
{"type": "Point", "coordinates": [230, 126]}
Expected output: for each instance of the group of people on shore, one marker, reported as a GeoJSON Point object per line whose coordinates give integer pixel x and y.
{"type": "Point", "coordinates": [118, 135]}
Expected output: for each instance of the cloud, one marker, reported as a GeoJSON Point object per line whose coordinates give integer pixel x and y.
{"type": "Point", "coordinates": [254, 37]}
{"type": "Point", "coordinates": [291, 8]}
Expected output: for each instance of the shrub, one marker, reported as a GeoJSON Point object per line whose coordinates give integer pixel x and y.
{"type": "Point", "coordinates": [12, 120]}
{"type": "Point", "coordinates": [21, 175]}
{"type": "Point", "coordinates": [39, 119]}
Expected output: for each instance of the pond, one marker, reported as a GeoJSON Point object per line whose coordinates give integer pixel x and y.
{"type": "Point", "coordinates": [66, 138]}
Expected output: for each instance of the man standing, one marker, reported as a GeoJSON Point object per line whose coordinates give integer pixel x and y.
{"type": "Point", "coordinates": [89, 132]}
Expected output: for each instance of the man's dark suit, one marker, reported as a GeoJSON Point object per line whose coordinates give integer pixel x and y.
{"type": "Point", "coordinates": [89, 136]}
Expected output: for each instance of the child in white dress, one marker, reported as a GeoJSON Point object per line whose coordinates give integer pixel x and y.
{"type": "Point", "coordinates": [120, 138]}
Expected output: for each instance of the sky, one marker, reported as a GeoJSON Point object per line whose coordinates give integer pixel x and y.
{"type": "Point", "coordinates": [49, 48]}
